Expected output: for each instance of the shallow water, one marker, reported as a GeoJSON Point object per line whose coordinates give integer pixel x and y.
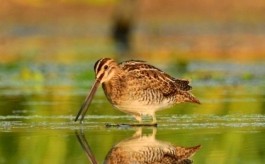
{"type": "Point", "coordinates": [39, 102]}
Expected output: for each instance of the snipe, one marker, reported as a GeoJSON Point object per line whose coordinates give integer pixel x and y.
{"type": "Point", "coordinates": [137, 88]}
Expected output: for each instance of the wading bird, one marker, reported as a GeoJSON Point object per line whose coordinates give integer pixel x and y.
{"type": "Point", "coordinates": [137, 88]}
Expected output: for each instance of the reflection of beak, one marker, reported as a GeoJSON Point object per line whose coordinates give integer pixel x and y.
{"type": "Point", "coordinates": [87, 101]}
{"type": "Point", "coordinates": [82, 140]}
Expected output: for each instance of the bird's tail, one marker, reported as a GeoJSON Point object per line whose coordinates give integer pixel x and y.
{"type": "Point", "coordinates": [185, 153]}
{"type": "Point", "coordinates": [187, 97]}
{"type": "Point", "coordinates": [193, 99]}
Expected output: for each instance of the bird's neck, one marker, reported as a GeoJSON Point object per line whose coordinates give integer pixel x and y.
{"type": "Point", "coordinates": [113, 88]}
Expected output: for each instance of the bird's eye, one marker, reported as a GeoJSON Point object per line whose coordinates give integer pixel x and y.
{"type": "Point", "coordinates": [106, 67]}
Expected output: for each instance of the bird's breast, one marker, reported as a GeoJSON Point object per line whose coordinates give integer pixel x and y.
{"type": "Point", "coordinates": [134, 96]}
{"type": "Point", "coordinates": [114, 91]}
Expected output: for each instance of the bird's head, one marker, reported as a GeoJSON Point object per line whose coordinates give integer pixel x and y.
{"type": "Point", "coordinates": [104, 69]}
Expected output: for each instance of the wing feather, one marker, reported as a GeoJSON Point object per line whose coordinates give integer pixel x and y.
{"type": "Point", "coordinates": [154, 78]}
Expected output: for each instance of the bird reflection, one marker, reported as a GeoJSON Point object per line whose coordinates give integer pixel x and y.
{"type": "Point", "coordinates": [143, 149]}
{"type": "Point", "coordinates": [83, 142]}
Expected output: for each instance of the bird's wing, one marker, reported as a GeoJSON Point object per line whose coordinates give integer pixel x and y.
{"type": "Point", "coordinates": [183, 84]}
{"type": "Point", "coordinates": [153, 78]}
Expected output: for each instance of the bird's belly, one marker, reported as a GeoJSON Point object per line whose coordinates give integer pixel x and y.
{"type": "Point", "coordinates": [133, 100]}
{"type": "Point", "coordinates": [142, 108]}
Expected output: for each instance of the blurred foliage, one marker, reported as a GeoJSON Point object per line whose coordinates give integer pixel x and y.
{"type": "Point", "coordinates": [66, 31]}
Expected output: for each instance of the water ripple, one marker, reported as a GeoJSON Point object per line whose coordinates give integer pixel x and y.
{"type": "Point", "coordinates": [253, 121]}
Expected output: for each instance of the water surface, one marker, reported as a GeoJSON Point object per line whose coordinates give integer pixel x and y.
{"type": "Point", "coordinates": [39, 102]}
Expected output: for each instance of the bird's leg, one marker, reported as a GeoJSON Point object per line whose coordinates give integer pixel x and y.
{"type": "Point", "coordinates": [154, 119]}
{"type": "Point", "coordinates": [154, 132]}
{"type": "Point", "coordinates": [138, 118]}
{"type": "Point", "coordinates": [153, 135]}
{"type": "Point", "coordinates": [138, 133]}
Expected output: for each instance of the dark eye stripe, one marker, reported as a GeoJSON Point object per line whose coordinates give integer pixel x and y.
{"type": "Point", "coordinates": [98, 65]}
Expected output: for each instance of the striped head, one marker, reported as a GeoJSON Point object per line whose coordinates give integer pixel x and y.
{"type": "Point", "coordinates": [104, 69]}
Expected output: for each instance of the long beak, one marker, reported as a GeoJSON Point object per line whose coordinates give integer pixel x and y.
{"type": "Point", "coordinates": [87, 101]}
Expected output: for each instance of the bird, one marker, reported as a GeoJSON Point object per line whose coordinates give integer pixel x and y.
{"type": "Point", "coordinates": [137, 88]}
{"type": "Point", "coordinates": [141, 149]}
{"type": "Point", "coordinates": [145, 149]}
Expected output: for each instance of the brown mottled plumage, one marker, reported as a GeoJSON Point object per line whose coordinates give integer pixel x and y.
{"type": "Point", "coordinates": [147, 150]}
{"type": "Point", "coordinates": [137, 88]}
